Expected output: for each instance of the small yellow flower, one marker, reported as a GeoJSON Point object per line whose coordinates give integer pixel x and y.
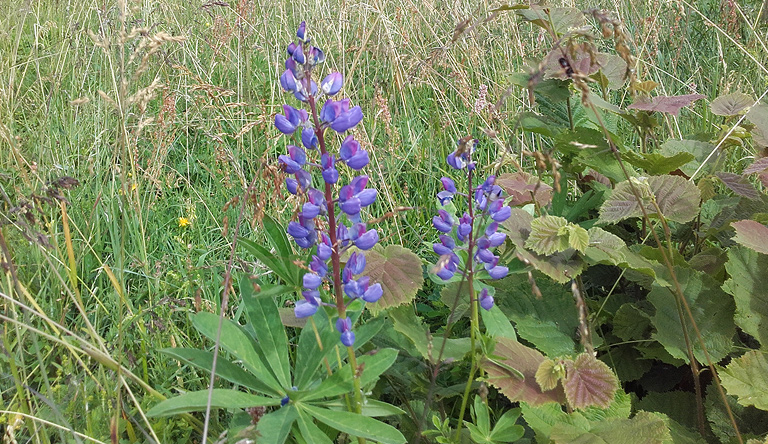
{"type": "Point", "coordinates": [184, 222]}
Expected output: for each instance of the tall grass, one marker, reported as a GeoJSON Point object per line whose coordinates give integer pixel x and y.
{"type": "Point", "coordinates": [163, 112]}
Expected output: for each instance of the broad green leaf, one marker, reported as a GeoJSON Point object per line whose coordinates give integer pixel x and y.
{"type": "Point", "coordinates": [559, 20]}
{"type": "Point", "coordinates": [700, 151]}
{"type": "Point", "coordinates": [513, 372]}
{"type": "Point", "coordinates": [197, 401]}
{"type": "Point", "coordinates": [482, 418]}
{"type": "Point", "coordinates": [234, 340]}
{"type": "Point", "coordinates": [678, 405]}
{"type": "Point", "coordinates": [614, 69]}
{"type": "Point", "coordinates": [224, 369]}
{"type": "Point", "coordinates": [578, 238]}
{"type": "Point", "coordinates": [750, 420]}
{"type": "Point", "coordinates": [524, 188]}
{"type": "Point", "coordinates": [561, 267]}
{"type": "Point", "coordinates": [746, 378]}
{"type": "Point", "coordinates": [605, 248]}
{"type": "Point", "coordinates": [751, 234]}
{"type": "Point", "coordinates": [748, 285]}
{"type": "Point", "coordinates": [314, 346]}
{"type": "Point", "coordinates": [627, 362]}
{"type": "Point", "coordinates": [274, 427]}
{"type": "Point", "coordinates": [731, 104]}
{"type": "Point", "coordinates": [406, 322]}
{"type": "Point", "coordinates": [277, 236]}
{"type": "Point", "coordinates": [589, 382]}
{"type": "Point", "coordinates": [543, 418]}
{"type": "Point", "coordinates": [758, 115]}
{"type": "Point", "coordinates": [643, 428]}
{"type": "Point", "coordinates": [657, 163]}
{"type": "Point", "coordinates": [587, 147]}
{"type": "Point", "coordinates": [620, 408]}
{"type": "Point", "coordinates": [265, 321]}
{"type": "Point", "coordinates": [455, 294]}
{"type": "Point", "coordinates": [356, 425]}
{"type": "Point", "coordinates": [712, 311]}
{"type": "Point", "coordinates": [666, 104]}
{"type": "Point", "coordinates": [531, 122]}
{"type": "Point", "coordinates": [677, 198]}
{"type": "Point", "coordinates": [589, 201]}
{"type": "Point", "coordinates": [630, 323]}
{"type": "Point", "coordinates": [548, 322]}
{"type": "Point", "coordinates": [309, 431]}
{"type": "Point", "coordinates": [341, 381]}
{"type": "Point", "coordinates": [548, 235]}
{"type": "Point", "coordinates": [497, 324]}
{"type": "Point", "coordinates": [399, 272]}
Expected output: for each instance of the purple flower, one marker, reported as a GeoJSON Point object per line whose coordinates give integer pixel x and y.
{"type": "Point", "coordinates": [318, 266]}
{"type": "Point", "coordinates": [330, 173]}
{"type": "Point", "coordinates": [354, 196]}
{"type": "Point", "coordinates": [316, 204]}
{"type": "Point", "coordinates": [448, 264]}
{"type": "Point", "coordinates": [347, 120]}
{"type": "Point", "coordinates": [373, 293]}
{"type": "Point", "coordinates": [332, 83]}
{"type": "Point", "coordinates": [344, 326]}
{"type": "Point", "coordinates": [456, 162]}
{"type": "Point", "coordinates": [309, 138]}
{"type": "Point", "coordinates": [443, 221]}
{"type": "Point", "coordinates": [446, 245]}
{"type": "Point", "coordinates": [324, 248]}
{"type": "Point", "coordinates": [485, 299]}
{"type": "Point", "coordinates": [288, 81]}
{"type": "Point", "coordinates": [311, 281]}
{"type": "Point", "coordinates": [291, 47]}
{"type": "Point", "coordinates": [294, 161]}
{"type": "Point", "coordinates": [362, 238]}
{"type": "Point", "coordinates": [315, 56]}
{"type": "Point", "coordinates": [307, 306]}
{"type": "Point", "coordinates": [332, 109]}
{"type": "Point", "coordinates": [290, 119]}
{"type": "Point", "coordinates": [303, 232]}
{"type": "Point", "coordinates": [355, 263]}
{"type": "Point", "coordinates": [465, 227]}
{"type": "Point", "coordinates": [301, 32]}
{"type": "Point", "coordinates": [298, 55]}
{"type": "Point", "coordinates": [448, 184]}
{"type": "Point", "coordinates": [351, 153]}
{"type": "Point", "coordinates": [301, 93]}
{"type": "Point", "coordinates": [496, 271]}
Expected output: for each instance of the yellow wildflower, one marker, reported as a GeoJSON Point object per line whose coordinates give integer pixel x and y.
{"type": "Point", "coordinates": [184, 222]}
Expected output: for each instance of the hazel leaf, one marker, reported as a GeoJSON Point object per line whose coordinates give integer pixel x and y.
{"type": "Point", "coordinates": [757, 166]}
{"type": "Point", "coordinates": [739, 185]}
{"type": "Point", "coordinates": [677, 198]}
{"type": "Point", "coordinates": [578, 238]}
{"type": "Point", "coordinates": [747, 285]}
{"type": "Point", "coordinates": [525, 188]}
{"type": "Point", "coordinates": [746, 378]}
{"type": "Point", "coordinates": [589, 382]}
{"type": "Point", "coordinates": [731, 104]}
{"type": "Point", "coordinates": [547, 236]}
{"type": "Point", "coordinates": [666, 104]}
{"type": "Point", "coordinates": [398, 270]}
{"type": "Point", "coordinates": [751, 234]}
{"type": "Point", "coordinates": [549, 374]}
{"type": "Point", "coordinates": [514, 373]}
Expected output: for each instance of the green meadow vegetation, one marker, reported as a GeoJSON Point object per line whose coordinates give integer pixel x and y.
{"type": "Point", "coordinates": [143, 216]}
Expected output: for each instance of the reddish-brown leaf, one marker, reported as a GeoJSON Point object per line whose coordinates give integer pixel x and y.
{"type": "Point", "coordinates": [589, 382]}
{"type": "Point", "coordinates": [751, 234]}
{"type": "Point", "coordinates": [666, 104]}
{"type": "Point", "coordinates": [757, 166]}
{"type": "Point", "coordinates": [519, 385]}
{"type": "Point", "coordinates": [739, 185]}
{"type": "Point", "coordinates": [398, 270]}
{"type": "Point", "coordinates": [525, 188]}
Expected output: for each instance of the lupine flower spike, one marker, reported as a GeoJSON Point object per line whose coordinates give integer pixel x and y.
{"type": "Point", "coordinates": [476, 230]}
{"type": "Point", "coordinates": [341, 217]}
